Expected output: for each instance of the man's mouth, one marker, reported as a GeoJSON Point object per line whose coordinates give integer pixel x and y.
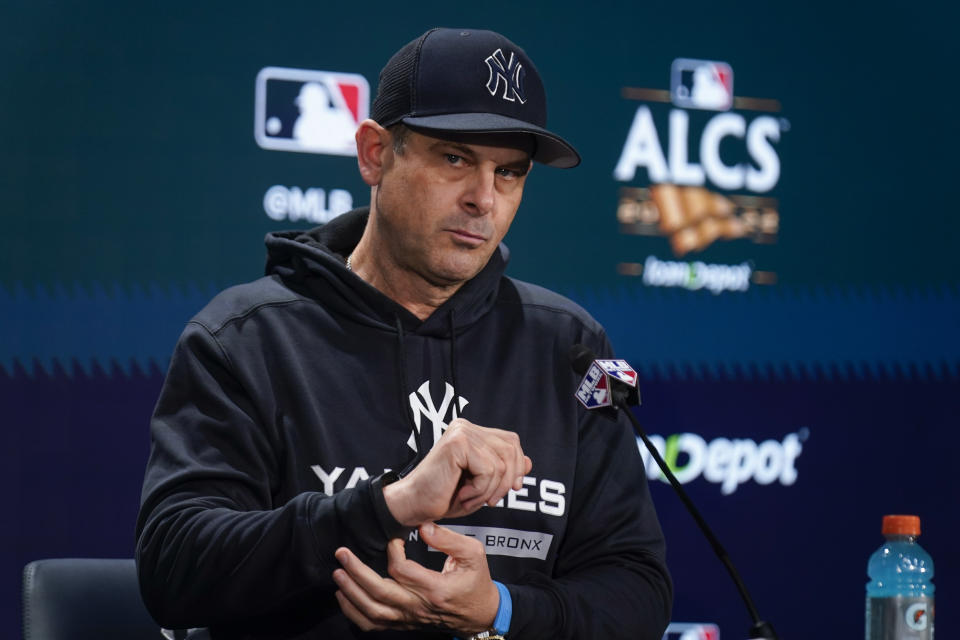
{"type": "Point", "coordinates": [467, 237]}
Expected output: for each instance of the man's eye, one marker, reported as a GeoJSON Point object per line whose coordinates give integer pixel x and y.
{"type": "Point", "coordinates": [453, 158]}
{"type": "Point", "coordinates": [508, 173]}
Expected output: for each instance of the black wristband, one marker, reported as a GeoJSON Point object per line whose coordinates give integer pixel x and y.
{"type": "Point", "coordinates": [391, 528]}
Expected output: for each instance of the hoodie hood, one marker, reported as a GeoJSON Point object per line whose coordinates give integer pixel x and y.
{"type": "Point", "coordinates": [313, 263]}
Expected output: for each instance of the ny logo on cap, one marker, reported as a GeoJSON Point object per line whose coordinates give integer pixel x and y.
{"type": "Point", "coordinates": [510, 73]}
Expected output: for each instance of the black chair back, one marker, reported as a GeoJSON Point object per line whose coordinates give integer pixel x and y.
{"type": "Point", "coordinates": [84, 599]}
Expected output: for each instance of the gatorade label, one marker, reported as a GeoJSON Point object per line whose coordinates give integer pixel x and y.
{"type": "Point", "coordinates": [900, 618]}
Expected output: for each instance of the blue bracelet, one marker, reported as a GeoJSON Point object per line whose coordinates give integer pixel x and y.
{"type": "Point", "coordinates": [501, 623]}
{"type": "Point", "coordinates": [505, 611]}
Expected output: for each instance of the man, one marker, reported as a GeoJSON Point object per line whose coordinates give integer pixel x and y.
{"type": "Point", "coordinates": [389, 339]}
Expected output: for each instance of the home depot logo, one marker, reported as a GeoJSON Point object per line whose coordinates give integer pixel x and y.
{"type": "Point", "coordinates": [727, 462]}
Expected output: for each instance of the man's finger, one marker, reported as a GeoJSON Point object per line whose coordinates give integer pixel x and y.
{"type": "Point", "coordinates": [462, 550]}
{"type": "Point", "coordinates": [354, 614]}
{"type": "Point", "coordinates": [486, 469]}
{"type": "Point", "coordinates": [513, 471]}
{"type": "Point", "coordinates": [376, 611]}
{"type": "Point", "coordinates": [493, 467]}
{"type": "Point", "coordinates": [356, 568]}
{"type": "Point", "coordinates": [507, 447]}
{"type": "Point", "coordinates": [407, 572]}
{"type": "Point", "coordinates": [380, 599]}
{"type": "Point", "coordinates": [459, 547]}
{"type": "Point", "coordinates": [510, 450]}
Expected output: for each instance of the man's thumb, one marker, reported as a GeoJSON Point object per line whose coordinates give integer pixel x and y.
{"type": "Point", "coordinates": [449, 542]}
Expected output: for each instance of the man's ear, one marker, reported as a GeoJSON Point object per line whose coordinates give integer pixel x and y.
{"type": "Point", "coordinates": [373, 144]}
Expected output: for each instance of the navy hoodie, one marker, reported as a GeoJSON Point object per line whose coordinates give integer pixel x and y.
{"type": "Point", "coordinates": [287, 395]}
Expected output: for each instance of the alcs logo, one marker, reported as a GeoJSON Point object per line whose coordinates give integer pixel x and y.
{"type": "Point", "coordinates": [690, 159]}
{"type": "Point", "coordinates": [702, 84]}
{"type": "Point", "coordinates": [310, 111]}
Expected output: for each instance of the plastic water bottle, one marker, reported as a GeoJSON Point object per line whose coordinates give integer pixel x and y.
{"type": "Point", "coordinates": [900, 591]}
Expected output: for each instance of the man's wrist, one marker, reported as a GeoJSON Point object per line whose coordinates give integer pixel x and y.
{"type": "Point", "coordinates": [501, 621]}
{"type": "Point", "coordinates": [397, 499]}
{"type": "Point", "coordinates": [392, 526]}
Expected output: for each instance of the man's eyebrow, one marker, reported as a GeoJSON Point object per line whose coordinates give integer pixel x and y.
{"type": "Point", "coordinates": [521, 165]}
{"type": "Point", "coordinates": [462, 149]}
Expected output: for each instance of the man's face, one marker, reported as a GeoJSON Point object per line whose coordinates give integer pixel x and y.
{"type": "Point", "coordinates": [444, 205]}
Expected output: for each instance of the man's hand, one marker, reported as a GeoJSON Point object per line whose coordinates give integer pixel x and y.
{"type": "Point", "coordinates": [461, 599]}
{"type": "Point", "coordinates": [469, 466]}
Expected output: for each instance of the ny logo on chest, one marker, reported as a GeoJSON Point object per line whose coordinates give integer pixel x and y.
{"type": "Point", "coordinates": [427, 414]}
{"type": "Point", "coordinates": [438, 416]}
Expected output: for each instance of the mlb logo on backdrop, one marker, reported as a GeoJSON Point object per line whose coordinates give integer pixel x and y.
{"type": "Point", "coordinates": [701, 84]}
{"type": "Point", "coordinates": [691, 631]}
{"type": "Point", "coordinates": [310, 111]}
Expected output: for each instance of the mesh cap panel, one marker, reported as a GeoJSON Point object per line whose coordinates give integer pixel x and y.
{"type": "Point", "coordinates": [395, 94]}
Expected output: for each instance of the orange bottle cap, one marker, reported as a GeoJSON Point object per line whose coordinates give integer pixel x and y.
{"type": "Point", "coordinates": [901, 525]}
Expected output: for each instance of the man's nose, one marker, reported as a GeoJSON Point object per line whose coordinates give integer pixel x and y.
{"type": "Point", "coordinates": [481, 193]}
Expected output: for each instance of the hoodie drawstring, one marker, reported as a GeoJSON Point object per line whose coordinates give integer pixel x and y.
{"type": "Point", "coordinates": [453, 363]}
{"type": "Point", "coordinates": [406, 408]}
{"type": "Point", "coordinates": [405, 405]}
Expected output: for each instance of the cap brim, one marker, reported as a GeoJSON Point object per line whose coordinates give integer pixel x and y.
{"type": "Point", "coordinates": [552, 150]}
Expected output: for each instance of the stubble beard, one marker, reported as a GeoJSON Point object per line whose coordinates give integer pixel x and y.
{"type": "Point", "coordinates": [412, 258]}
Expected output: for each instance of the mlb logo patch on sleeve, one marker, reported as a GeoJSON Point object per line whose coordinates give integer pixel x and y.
{"type": "Point", "coordinates": [310, 111]}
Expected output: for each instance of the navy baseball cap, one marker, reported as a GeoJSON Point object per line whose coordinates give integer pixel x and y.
{"type": "Point", "coordinates": [469, 81]}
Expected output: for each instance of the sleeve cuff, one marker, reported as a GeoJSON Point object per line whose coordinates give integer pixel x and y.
{"type": "Point", "coordinates": [391, 528]}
